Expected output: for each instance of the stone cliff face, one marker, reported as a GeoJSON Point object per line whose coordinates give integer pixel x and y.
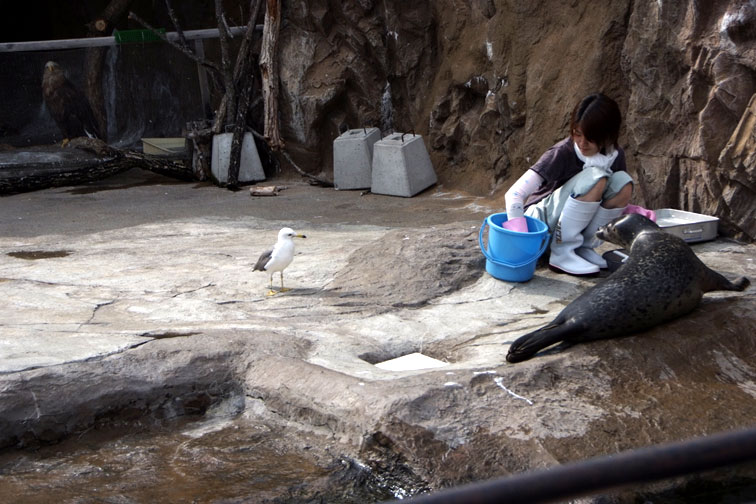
{"type": "Point", "coordinates": [690, 74]}
{"type": "Point", "coordinates": [490, 85]}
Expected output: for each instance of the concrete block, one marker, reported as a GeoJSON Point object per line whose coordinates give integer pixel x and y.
{"type": "Point", "coordinates": [353, 157]}
{"type": "Point", "coordinates": [401, 166]}
{"type": "Point", "coordinates": [250, 167]}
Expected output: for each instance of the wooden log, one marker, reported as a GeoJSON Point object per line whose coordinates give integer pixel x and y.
{"type": "Point", "coordinates": [175, 168]}
{"type": "Point", "coordinates": [44, 180]}
{"type": "Point", "coordinates": [23, 170]}
{"type": "Point", "coordinates": [201, 136]}
{"type": "Point", "coordinates": [201, 160]}
{"type": "Point", "coordinates": [199, 130]}
{"type": "Point", "coordinates": [226, 69]}
{"type": "Point", "coordinates": [245, 50]}
{"type": "Point", "coordinates": [83, 160]}
{"type": "Point", "coordinates": [242, 68]}
{"type": "Point", "coordinates": [269, 73]}
{"type": "Point", "coordinates": [238, 136]}
{"type": "Point", "coordinates": [266, 190]}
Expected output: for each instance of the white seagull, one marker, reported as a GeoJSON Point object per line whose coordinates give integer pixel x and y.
{"type": "Point", "coordinates": [279, 257]}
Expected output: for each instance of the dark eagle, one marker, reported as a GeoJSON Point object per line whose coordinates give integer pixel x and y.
{"type": "Point", "coordinates": [68, 105]}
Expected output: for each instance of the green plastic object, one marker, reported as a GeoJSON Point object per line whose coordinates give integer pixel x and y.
{"type": "Point", "coordinates": [131, 36]}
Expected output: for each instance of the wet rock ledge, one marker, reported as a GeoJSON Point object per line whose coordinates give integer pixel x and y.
{"type": "Point", "coordinates": [94, 334]}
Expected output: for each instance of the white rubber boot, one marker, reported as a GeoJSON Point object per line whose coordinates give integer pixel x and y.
{"type": "Point", "coordinates": [568, 236]}
{"type": "Point", "coordinates": [590, 242]}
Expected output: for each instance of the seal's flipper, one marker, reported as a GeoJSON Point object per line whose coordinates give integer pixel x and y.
{"type": "Point", "coordinates": [528, 345]}
{"type": "Point", "coordinates": [716, 281]}
{"type": "Point", "coordinates": [741, 284]}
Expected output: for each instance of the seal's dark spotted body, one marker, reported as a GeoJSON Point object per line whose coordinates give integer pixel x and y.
{"type": "Point", "coordinates": [661, 280]}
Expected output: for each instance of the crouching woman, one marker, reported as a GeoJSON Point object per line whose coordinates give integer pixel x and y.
{"type": "Point", "coordinates": [577, 186]}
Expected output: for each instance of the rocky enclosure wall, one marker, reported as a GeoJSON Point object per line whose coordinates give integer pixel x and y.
{"type": "Point", "coordinates": [490, 85]}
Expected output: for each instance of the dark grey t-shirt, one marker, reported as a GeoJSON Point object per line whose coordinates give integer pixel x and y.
{"type": "Point", "coordinates": [559, 164]}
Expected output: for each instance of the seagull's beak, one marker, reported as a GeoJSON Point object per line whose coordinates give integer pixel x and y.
{"type": "Point", "coordinates": [299, 236]}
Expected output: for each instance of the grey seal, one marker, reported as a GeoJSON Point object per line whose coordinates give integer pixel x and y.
{"type": "Point", "coordinates": [661, 280]}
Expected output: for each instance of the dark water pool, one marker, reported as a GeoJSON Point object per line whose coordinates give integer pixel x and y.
{"type": "Point", "coordinates": [202, 461]}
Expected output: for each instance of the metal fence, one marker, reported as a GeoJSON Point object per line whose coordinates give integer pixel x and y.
{"type": "Point", "coordinates": [150, 89]}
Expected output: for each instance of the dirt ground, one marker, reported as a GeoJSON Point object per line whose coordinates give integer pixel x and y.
{"type": "Point", "coordinates": [111, 204]}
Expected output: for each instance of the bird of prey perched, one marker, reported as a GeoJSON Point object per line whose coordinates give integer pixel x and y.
{"type": "Point", "coordinates": [67, 105]}
{"type": "Point", "coordinates": [279, 257]}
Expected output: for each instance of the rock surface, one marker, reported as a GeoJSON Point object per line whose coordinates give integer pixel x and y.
{"type": "Point", "coordinates": [137, 299]}
{"type": "Point", "coordinates": [491, 85]}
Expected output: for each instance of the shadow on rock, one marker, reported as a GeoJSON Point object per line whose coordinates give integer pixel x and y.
{"type": "Point", "coordinates": [408, 268]}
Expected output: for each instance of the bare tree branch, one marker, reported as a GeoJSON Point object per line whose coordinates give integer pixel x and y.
{"type": "Point", "coordinates": [242, 69]}
{"type": "Point", "coordinates": [174, 20]}
{"type": "Point", "coordinates": [225, 24]}
{"type": "Point", "coordinates": [246, 44]}
{"type": "Point", "coordinates": [188, 52]}
{"type": "Point", "coordinates": [254, 7]}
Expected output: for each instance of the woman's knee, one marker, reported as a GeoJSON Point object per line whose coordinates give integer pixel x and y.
{"type": "Point", "coordinates": [594, 193]}
{"type": "Point", "coordinates": [621, 199]}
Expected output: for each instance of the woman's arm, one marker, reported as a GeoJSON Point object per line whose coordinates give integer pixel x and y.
{"type": "Point", "coordinates": [515, 197]}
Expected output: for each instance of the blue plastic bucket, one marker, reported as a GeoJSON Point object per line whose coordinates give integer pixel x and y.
{"type": "Point", "coordinates": [511, 255]}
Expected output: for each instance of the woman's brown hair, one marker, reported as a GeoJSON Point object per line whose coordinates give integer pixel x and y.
{"type": "Point", "coordinates": [599, 118]}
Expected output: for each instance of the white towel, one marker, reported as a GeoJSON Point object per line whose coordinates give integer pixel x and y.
{"type": "Point", "coordinates": [602, 161]}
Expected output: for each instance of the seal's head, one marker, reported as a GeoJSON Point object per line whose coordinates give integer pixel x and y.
{"type": "Point", "coordinates": [623, 230]}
